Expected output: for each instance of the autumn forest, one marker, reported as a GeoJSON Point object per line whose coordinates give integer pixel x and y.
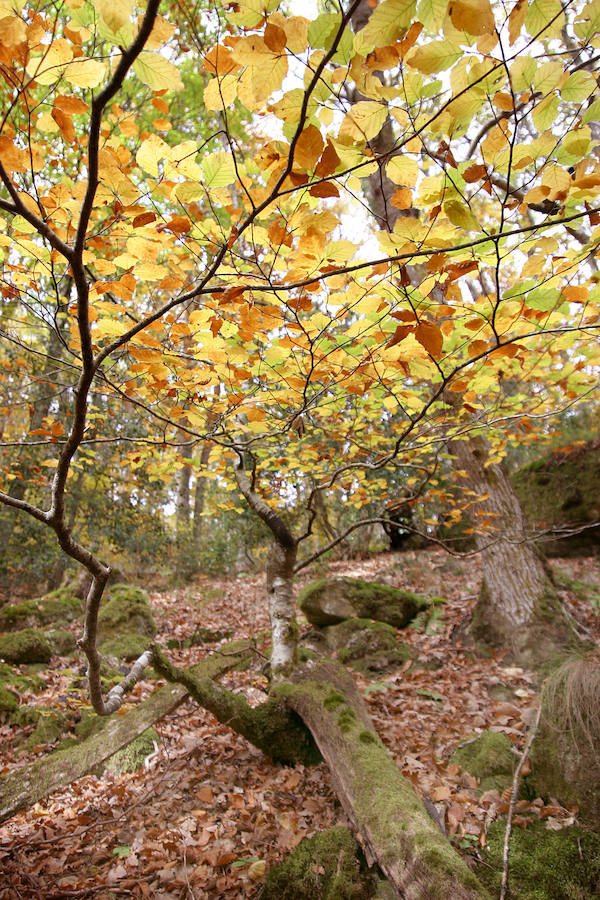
{"type": "Point", "coordinates": [299, 462]}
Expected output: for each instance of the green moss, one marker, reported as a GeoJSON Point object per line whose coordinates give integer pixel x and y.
{"type": "Point", "coordinates": [57, 607]}
{"type": "Point", "coordinates": [26, 646]}
{"type": "Point", "coordinates": [328, 866]}
{"type": "Point", "coordinates": [127, 610]}
{"type": "Point", "coordinates": [331, 600]}
{"type": "Point", "coordinates": [543, 864]}
{"type": "Point", "coordinates": [487, 754]}
{"type": "Point", "coordinates": [127, 645]}
{"type": "Point", "coordinates": [131, 758]}
{"type": "Point", "coordinates": [332, 700]}
{"type": "Point", "coordinates": [368, 646]}
{"type": "Point", "coordinates": [90, 724]}
{"type": "Point", "coordinates": [63, 642]}
{"type": "Point", "coordinates": [8, 701]}
{"type": "Point", "coordinates": [346, 718]}
{"type": "Point", "coordinates": [21, 681]}
{"type": "Point", "coordinates": [368, 737]}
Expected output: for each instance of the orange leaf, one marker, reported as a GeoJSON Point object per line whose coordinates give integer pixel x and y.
{"type": "Point", "coordinates": [402, 198]}
{"type": "Point", "coordinates": [328, 163]}
{"type": "Point", "coordinates": [430, 337]}
{"type": "Point", "coordinates": [474, 173]}
{"type": "Point", "coordinates": [324, 189]}
{"type": "Point", "coordinates": [309, 147]}
{"type": "Point", "coordinates": [143, 219]}
{"type": "Point", "coordinates": [275, 38]}
{"type": "Point", "coordinates": [71, 105]}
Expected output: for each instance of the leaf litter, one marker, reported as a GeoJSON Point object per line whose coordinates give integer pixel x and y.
{"type": "Point", "coordinates": [207, 815]}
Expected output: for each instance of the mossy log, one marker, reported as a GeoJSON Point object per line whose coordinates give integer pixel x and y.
{"type": "Point", "coordinates": [272, 727]}
{"type": "Point", "coordinates": [388, 817]}
{"type": "Point", "coordinates": [49, 774]}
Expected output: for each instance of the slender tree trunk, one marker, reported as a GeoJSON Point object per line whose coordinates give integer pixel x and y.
{"type": "Point", "coordinates": [182, 510]}
{"type": "Point", "coordinates": [282, 608]}
{"type": "Point", "coordinates": [200, 493]}
{"type": "Point", "coordinates": [518, 607]}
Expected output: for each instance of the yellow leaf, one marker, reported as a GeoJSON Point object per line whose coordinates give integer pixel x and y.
{"type": "Point", "coordinates": [157, 72]}
{"type": "Point", "coordinates": [220, 93]}
{"type": "Point", "coordinates": [388, 21]}
{"type": "Point", "coordinates": [434, 57]}
{"type": "Point", "coordinates": [115, 13]}
{"type": "Point", "coordinates": [402, 170]}
{"type": "Point", "coordinates": [48, 69]}
{"type": "Point", "coordinates": [109, 328]}
{"type": "Point", "coordinates": [364, 121]}
{"type": "Point", "coordinates": [472, 16]}
{"type": "Point", "coordinates": [218, 169]}
{"type": "Point", "coordinates": [86, 73]}
{"type": "Point", "coordinates": [151, 152]}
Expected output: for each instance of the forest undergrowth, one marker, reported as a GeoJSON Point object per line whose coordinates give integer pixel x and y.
{"type": "Point", "coordinates": [207, 815]}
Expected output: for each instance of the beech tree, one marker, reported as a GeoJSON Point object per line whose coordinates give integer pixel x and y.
{"type": "Point", "coordinates": [222, 286]}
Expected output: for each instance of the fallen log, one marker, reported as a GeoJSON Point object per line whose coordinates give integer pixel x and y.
{"type": "Point", "coordinates": [389, 819]}
{"type": "Point", "coordinates": [45, 776]}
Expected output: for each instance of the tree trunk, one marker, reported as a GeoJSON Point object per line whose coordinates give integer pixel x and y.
{"type": "Point", "coordinates": [182, 509]}
{"type": "Point", "coordinates": [282, 608]}
{"type": "Point", "coordinates": [200, 493]}
{"type": "Point", "coordinates": [388, 817]}
{"type": "Point", "coordinates": [518, 607]}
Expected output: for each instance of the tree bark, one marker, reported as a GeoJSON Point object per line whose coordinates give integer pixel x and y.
{"type": "Point", "coordinates": [182, 510]}
{"type": "Point", "coordinates": [388, 817]}
{"type": "Point", "coordinates": [518, 607]}
{"type": "Point", "coordinates": [200, 493]}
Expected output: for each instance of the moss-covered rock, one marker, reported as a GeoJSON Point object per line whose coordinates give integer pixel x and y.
{"type": "Point", "coordinates": [367, 646]}
{"type": "Point", "coordinates": [63, 642]}
{"type": "Point", "coordinates": [131, 758]}
{"type": "Point", "coordinates": [58, 607]}
{"type": "Point", "coordinates": [26, 646]}
{"type": "Point", "coordinates": [127, 646]}
{"type": "Point", "coordinates": [127, 610]}
{"type": "Point", "coordinates": [328, 866]}
{"type": "Point", "coordinates": [49, 725]}
{"type": "Point", "coordinates": [22, 681]}
{"type": "Point", "coordinates": [329, 601]}
{"type": "Point", "coordinates": [563, 488]}
{"type": "Point", "coordinates": [543, 864]}
{"type": "Point", "coordinates": [487, 756]}
{"type": "Point", "coordinates": [8, 701]}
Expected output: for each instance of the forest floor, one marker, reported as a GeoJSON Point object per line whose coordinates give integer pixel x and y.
{"type": "Point", "coordinates": [208, 813]}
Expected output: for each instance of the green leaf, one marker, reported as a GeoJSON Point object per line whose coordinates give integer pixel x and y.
{"type": "Point", "coordinates": [157, 72]}
{"type": "Point", "coordinates": [122, 851]}
{"type": "Point", "coordinates": [578, 86]}
{"type": "Point", "coordinates": [388, 21]}
{"type": "Point", "coordinates": [543, 298]}
{"type": "Point", "coordinates": [218, 170]}
{"type": "Point", "coordinates": [434, 57]}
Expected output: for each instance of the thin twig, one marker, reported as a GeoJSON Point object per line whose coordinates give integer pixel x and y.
{"type": "Point", "coordinates": [513, 800]}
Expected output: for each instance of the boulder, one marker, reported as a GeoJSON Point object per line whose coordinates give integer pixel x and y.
{"type": "Point", "coordinates": [127, 610]}
{"type": "Point", "coordinates": [128, 646]}
{"type": "Point", "coordinates": [58, 607]}
{"type": "Point", "coordinates": [26, 646]}
{"type": "Point", "coordinates": [329, 601]}
{"type": "Point", "coordinates": [487, 756]}
{"type": "Point", "coordinates": [367, 646]}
